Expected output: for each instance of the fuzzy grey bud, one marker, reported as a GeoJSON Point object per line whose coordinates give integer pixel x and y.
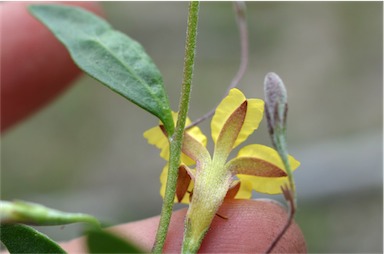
{"type": "Point", "coordinates": [275, 102]}
{"type": "Point", "coordinates": [276, 108]}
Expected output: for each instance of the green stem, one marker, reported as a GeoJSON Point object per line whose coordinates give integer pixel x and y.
{"type": "Point", "coordinates": [177, 138]}
{"type": "Point", "coordinates": [281, 147]}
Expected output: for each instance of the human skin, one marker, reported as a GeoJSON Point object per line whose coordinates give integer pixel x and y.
{"type": "Point", "coordinates": [36, 69]}
{"type": "Point", "coordinates": [250, 227]}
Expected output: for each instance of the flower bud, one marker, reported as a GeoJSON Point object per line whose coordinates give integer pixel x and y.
{"type": "Point", "coordinates": [275, 103]}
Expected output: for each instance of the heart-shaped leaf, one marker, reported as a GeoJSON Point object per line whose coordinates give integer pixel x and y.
{"type": "Point", "coordinates": [109, 56]}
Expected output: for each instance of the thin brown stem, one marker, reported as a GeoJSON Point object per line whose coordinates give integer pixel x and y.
{"type": "Point", "coordinates": [243, 33]}
{"type": "Point", "coordinates": [288, 194]}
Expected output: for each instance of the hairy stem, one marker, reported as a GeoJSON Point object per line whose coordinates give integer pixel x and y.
{"type": "Point", "coordinates": [177, 138]}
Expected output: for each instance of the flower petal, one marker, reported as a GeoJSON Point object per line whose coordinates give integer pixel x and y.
{"type": "Point", "coordinates": [266, 185]}
{"type": "Point", "coordinates": [240, 190]}
{"type": "Point", "coordinates": [156, 136]}
{"type": "Point", "coordinates": [196, 133]}
{"type": "Point", "coordinates": [233, 189]}
{"type": "Point", "coordinates": [255, 111]}
{"type": "Point", "coordinates": [254, 166]}
{"type": "Point", "coordinates": [195, 150]}
{"type": "Point", "coordinates": [266, 154]}
{"type": "Point", "coordinates": [183, 181]}
{"type": "Point", "coordinates": [229, 133]}
{"type": "Point", "coordinates": [199, 140]}
{"type": "Point", "coordinates": [245, 191]}
{"type": "Point", "coordinates": [224, 110]}
{"type": "Point", "coordinates": [163, 181]}
{"type": "Point", "coordinates": [228, 105]}
{"type": "Point", "coordinates": [270, 185]}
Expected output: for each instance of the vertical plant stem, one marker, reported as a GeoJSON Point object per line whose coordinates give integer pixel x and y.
{"type": "Point", "coordinates": [281, 147]}
{"type": "Point", "coordinates": [276, 110]}
{"type": "Point", "coordinates": [177, 138]}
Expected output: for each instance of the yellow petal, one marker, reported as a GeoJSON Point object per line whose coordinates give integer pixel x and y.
{"type": "Point", "coordinates": [195, 150]}
{"type": "Point", "coordinates": [265, 184]}
{"type": "Point", "coordinates": [269, 185]}
{"type": "Point", "coordinates": [252, 120]}
{"type": "Point", "coordinates": [229, 133]}
{"type": "Point", "coordinates": [198, 136]}
{"type": "Point", "coordinates": [196, 133]}
{"type": "Point", "coordinates": [163, 181]}
{"type": "Point", "coordinates": [267, 154]}
{"type": "Point", "coordinates": [155, 136]}
{"type": "Point", "coordinates": [254, 166]}
{"type": "Point", "coordinates": [245, 191]}
{"type": "Point", "coordinates": [228, 105]}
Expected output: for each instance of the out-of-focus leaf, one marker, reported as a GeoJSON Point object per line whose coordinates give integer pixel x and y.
{"type": "Point", "coordinates": [36, 214]}
{"type": "Point", "coordinates": [101, 241]}
{"type": "Point", "coordinates": [24, 239]}
{"type": "Point", "coordinates": [109, 56]}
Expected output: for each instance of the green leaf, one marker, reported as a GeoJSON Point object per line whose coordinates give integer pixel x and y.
{"type": "Point", "coordinates": [109, 56]}
{"type": "Point", "coordinates": [36, 214]}
{"type": "Point", "coordinates": [24, 239]}
{"type": "Point", "coordinates": [100, 241]}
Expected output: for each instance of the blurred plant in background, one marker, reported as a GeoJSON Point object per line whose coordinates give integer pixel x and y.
{"type": "Point", "coordinates": [330, 55]}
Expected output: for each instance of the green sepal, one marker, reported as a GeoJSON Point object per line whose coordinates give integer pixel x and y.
{"type": "Point", "coordinates": [109, 56]}
{"type": "Point", "coordinates": [19, 238]}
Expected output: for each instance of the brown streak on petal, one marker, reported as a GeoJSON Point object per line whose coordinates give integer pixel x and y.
{"type": "Point", "coordinates": [194, 149]}
{"type": "Point", "coordinates": [190, 195]}
{"type": "Point", "coordinates": [255, 167]}
{"type": "Point", "coordinates": [162, 128]}
{"type": "Point", "coordinates": [231, 130]}
{"type": "Point", "coordinates": [233, 191]}
{"type": "Point", "coordinates": [183, 181]}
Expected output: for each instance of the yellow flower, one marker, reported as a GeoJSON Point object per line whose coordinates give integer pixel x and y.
{"type": "Point", "coordinates": [256, 167]}
{"type": "Point", "coordinates": [260, 159]}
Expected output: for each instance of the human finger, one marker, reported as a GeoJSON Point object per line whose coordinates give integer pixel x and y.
{"type": "Point", "coordinates": [250, 227]}
{"type": "Point", "coordinates": [35, 67]}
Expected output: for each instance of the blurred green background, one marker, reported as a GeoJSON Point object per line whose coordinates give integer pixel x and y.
{"type": "Point", "coordinates": [85, 152]}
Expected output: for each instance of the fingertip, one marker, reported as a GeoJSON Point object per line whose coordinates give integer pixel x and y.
{"type": "Point", "coordinates": [35, 67]}
{"type": "Point", "coordinates": [251, 226]}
